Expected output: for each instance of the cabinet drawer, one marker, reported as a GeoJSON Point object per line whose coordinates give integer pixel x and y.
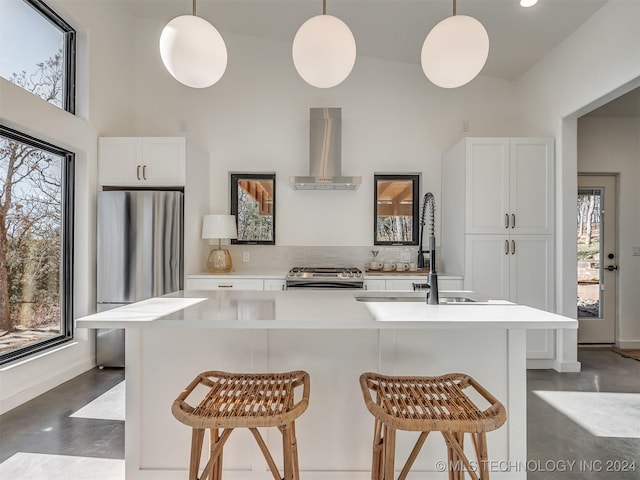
{"type": "Point", "coordinates": [375, 285]}
{"type": "Point", "coordinates": [405, 284]}
{"type": "Point", "coordinates": [274, 284]}
{"type": "Point", "coordinates": [224, 284]}
{"type": "Point", "coordinates": [447, 284]}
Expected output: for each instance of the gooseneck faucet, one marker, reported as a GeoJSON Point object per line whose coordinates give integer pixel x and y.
{"type": "Point", "coordinates": [429, 203]}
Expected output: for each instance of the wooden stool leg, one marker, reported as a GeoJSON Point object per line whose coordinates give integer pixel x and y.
{"type": "Point", "coordinates": [389, 451]}
{"type": "Point", "coordinates": [294, 452]}
{"type": "Point", "coordinates": [480, 444]}
{"type": "Point", "coordinates": [197, 437]}
{"type": "Point", "coordinates": [287, 453]}
{"type": "Point", "coordinates": [217, 469]}
{"type": "Point", "coordinates": [378, 446]}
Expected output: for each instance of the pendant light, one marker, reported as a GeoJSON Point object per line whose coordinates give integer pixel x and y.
{"type": "Point", "coordinates": [193, 51]}
{"type": "Point", "coordinates": [455, 51]}
{"type": "Point", "coordinates": [324, 50]}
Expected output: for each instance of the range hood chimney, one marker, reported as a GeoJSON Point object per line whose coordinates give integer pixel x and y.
{"type": "Point", "coordinates": [325, 154]}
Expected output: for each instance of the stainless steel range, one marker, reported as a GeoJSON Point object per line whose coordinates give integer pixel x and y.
{"type": "Point", "coordinates": [324, 277]}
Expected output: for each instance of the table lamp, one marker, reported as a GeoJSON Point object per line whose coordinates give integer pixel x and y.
{"type": "Point", "coordinates": [219, 226]}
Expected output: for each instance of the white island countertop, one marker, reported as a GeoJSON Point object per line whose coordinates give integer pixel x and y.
{"type": "Point", "coordinates": [316, 309]}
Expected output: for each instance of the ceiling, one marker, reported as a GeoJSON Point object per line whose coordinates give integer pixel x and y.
{"type": "Point", "coordinates": [395, 29]}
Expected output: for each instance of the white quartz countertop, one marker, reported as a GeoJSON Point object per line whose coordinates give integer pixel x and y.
{"type": "Point", "coordinates": [314, 309]}
{"type": "Point", "coordinates": [281, 274]}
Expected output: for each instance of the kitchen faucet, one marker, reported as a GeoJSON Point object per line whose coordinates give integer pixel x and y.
{"type": "Point", "coordinates": [429, 202]}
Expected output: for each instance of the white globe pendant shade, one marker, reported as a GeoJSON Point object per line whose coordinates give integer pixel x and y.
{"type": "Point", "coordinates": [455, 51]}
{"type": "Point", "coordinates": [324, 51]}
{"type": "Point", "coordinates": [193, 51]}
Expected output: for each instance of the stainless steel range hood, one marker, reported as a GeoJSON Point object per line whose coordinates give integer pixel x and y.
{"type": "Point", "coordinates": [325, 154]}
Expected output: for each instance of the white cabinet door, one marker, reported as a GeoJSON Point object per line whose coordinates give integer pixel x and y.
{"type": "Point", "coordinates": [487, 185]}
{"type": "Point", "coordinates": [374, 284]}
{"type": "Point", "coordinates": [120, 160]}
{"type": "Point", "coordinates": [142, 161]}
{"type": "Point", "coordinates": [163, 160]}
{"type": "Point", "coordinates": [487, 265]}
{"type": "Point", "coordinates": [531, 186]}
{"type": "Point", "coordinates": [222, 283]}
{"type": "Point", "coordinates": [530, 271]}
{"type": "Point", "coordinates": [275, 284]}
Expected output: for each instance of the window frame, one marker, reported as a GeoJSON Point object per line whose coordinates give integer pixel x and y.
{"type": "Point", "coordinates": [67, 176]}
{"type": "Point", "coordinates": [235, 177]}
{"type": "Point", "coordinates": [68, 51]}
{"type": "Point", "coordinates": [415, 188]}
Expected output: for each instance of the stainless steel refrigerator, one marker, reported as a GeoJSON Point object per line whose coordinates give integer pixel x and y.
{"type": "Point", "coordinates": [140, 255]}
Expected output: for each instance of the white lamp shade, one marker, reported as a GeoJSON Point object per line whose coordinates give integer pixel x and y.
{"type": "Point", "coordinates": [193, 51]}
{"type": "Point", "coordinates": [455, 51]}
{"type": "Point", "coordinates": [324, 51]}
{"type": "Point", "coordinates": [528, 3]}
{"type": "Point", "coordinates": [219, 226]}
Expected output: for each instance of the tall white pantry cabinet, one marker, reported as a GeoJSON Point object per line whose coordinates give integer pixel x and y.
{"type": "Point", "coordinates": [497, 223]}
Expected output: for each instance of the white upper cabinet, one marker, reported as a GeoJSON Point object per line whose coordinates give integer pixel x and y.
{"type": "Point", "coordinates": [509, 185]}
{"type": "Point", "coordinates": [142, 161]}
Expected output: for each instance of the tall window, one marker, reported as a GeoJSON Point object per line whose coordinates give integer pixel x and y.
{"type": "Point", "coordinates": [36, 238]}
{"type": "Point", "coordinates": [37, 51]}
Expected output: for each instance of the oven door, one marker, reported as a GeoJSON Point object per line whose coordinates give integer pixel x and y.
{"type": "Point", "coordinates": [323, 284]}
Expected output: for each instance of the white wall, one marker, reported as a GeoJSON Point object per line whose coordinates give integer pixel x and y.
{"type": "Point", "coordinates": [599, 61]}
{"type": "Point", "coordinates": [613, 145]}
{"type": "Point", "coordinates": [102, 103]}
{"type": "Point", "coordinates": [256, 119]}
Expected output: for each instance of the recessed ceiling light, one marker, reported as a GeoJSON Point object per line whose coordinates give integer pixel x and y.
{"type": "Point", "coordinates": [528, 3]}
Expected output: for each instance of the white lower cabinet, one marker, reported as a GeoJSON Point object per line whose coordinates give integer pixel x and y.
{"type": "Point", "coordinates": [275, 284]}
{"type": "Point", "coordinates": [405, 284]}
{"type": "Point", "coordinates": [374, 284]}
{"type": "Point", "coordinates": [518, 268]}
{"type": "Point", "coordinates": [224, 283]}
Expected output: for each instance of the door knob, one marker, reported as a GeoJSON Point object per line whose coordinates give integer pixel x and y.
{"type": "Point", "coordinates": [611, 268]}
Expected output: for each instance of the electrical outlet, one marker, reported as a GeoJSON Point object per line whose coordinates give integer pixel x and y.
{"type": "Point", "coordinates": [636, 250]}
{"type": "Point", "coordinates": [245, 257]}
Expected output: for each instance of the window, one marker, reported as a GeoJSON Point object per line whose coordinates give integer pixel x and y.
{"type": "Point", "coordinates": [395, 209]}
{"type": "Point", "coordinates": [37, 51]}
{"type": "Point", "coordinates": [253, 202]}
{"type": "Point", "coordinates": [36, 239]}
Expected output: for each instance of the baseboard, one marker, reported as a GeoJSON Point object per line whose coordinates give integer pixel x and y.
{"type": "Point", "coordinates": [628, 344]}
{"type": "Point", "coordinates": [567, 367]}
{"type": "Point", "coordinates": [46, 384]}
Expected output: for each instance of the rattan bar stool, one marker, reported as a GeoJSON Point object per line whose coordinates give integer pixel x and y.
{"type": "Point", "coordinates": [427, 404]}
{"type": "Point", "coordinates": [242, 400]}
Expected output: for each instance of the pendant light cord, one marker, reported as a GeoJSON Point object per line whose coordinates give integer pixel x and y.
{"type": "Point", "coordinates": [194, 7]}
{"type": "Point", "coordinates": [454, 7]}
{"type": "Point", "coordinates": [324, 7]}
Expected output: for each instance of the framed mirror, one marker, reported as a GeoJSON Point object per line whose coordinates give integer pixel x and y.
{"type": "Point", "coordinates": [253, 202]}
{"type": "Point", "coordinates": [395, 209]}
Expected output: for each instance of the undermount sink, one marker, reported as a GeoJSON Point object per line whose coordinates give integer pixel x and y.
{"type": "Point", "coordinates": [408, 297]}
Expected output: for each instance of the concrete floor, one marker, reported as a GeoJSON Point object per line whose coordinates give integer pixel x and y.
{"type": "Point", "coordinates": [580, 426]}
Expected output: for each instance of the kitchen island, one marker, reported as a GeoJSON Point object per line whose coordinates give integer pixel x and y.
{"type": "Point", "coordinates": [333, 336]}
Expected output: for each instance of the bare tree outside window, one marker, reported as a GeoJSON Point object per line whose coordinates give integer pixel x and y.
{"type": "Point", "coordinates": [588, 214]}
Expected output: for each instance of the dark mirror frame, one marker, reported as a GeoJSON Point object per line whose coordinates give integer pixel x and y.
{"type": "Point", "coordinates": [235, 179]}
{"type": "Point", "coordinates": [415, 193]}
